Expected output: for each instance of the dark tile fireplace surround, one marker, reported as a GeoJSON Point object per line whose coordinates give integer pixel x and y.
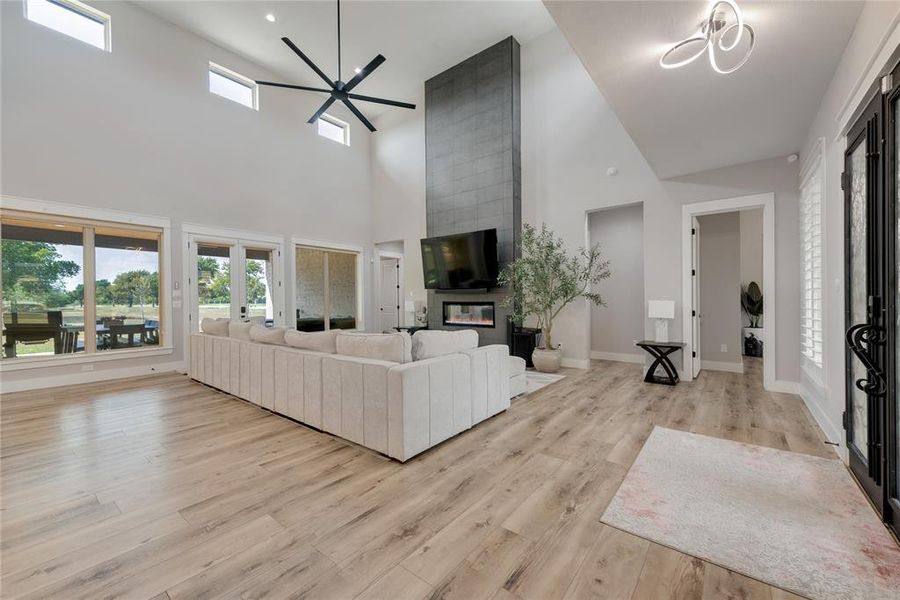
{"type": "Point", "coordinates": [473, 169]}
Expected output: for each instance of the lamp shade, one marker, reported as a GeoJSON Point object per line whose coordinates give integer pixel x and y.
{"type": "Point", "coordinates": [661, 309]}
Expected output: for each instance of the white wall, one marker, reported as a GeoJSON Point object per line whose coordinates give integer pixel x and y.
{"type": "Point", "coordinates": [570, 136]}
{"type": "Point", "coordinates": [875, 37]}
{"type": "Point", "coordinates": [752, 247]}
{"type": "Point", "coordinates": [720, 303]}
{"type": "Point", "coordinates": [137, 130]}
{"type": "Point", "coordinates": [398, 190]}
{"type": "Point", "coordinates": [617, 325]}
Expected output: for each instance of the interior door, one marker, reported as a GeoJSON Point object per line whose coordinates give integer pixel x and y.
{"type": "Point", "coordinates": [865, 303]}
{"type": "Point", "coordinates": [695, 295]}
{"type": "Point", "coordinates": [390, 294]}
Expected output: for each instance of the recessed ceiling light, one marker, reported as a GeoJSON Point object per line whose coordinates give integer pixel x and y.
{"type": "Point", "coordinates": [356, 69]}
{"type": "Point", "coordinates": [270, 18]}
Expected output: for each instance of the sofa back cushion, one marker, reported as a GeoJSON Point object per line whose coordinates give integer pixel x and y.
{"type": "Point", "coordinates": [392, 347]}
{"type": "Point", "coordinates": [214, 326]}
{"type": "Point", "coordinates": [239, 330]}
{"type": "Point", "coordinates": [318, 341]}
{"type": "Point", "coordinates": [430, 343]}
{"type": "Point", "coordinates": [267, 335]}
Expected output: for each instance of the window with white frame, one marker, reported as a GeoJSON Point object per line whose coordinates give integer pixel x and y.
{"type": "Point", "coordinates": [233, 86]}
{"type": "Point", "coordinates": [334, 129]}
{"type": "Point", "coordinates": [326, 288]}
{"type": "Point", "coordinates": [71, 18]}
{"type": "Point", "coordinates": [74, 286]}
{"type": "Point", "coordinates": [811, 307]}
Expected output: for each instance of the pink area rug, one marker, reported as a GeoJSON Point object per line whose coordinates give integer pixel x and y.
{"type": "Point", "coordinates": [794, 521]}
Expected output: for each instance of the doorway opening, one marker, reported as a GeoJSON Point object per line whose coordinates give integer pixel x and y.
{"type": "Point", "coordinates": [389, 277]}
{"type": "Point", "coordinates": [616, 326]}
{"type": "Point", "coordinates": [727, 290]}
{"type": "Point", "coordinates": [723, 218]}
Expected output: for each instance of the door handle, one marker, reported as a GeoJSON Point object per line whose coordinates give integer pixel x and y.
{"type": "Point", "coordinates": [861, 338]}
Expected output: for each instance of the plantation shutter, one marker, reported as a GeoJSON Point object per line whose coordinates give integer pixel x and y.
{"type": "Point", "coordinates": [811, 309]}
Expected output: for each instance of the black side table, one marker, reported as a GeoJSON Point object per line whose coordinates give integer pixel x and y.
{"type": "Point", "coordinates": [411, 329]}
{"type": "Point", "coordinates": [661, 351]}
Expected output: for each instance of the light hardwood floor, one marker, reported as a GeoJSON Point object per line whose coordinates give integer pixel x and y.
{"type": "Point", "coordinates": [162, 488]}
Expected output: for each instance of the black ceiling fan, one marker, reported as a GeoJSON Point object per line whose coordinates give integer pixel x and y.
{"type": "Point", "coordinates": [340, 90]}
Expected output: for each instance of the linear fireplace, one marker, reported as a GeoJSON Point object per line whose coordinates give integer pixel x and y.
{"type": "Point", "coordinates": [469, 314]}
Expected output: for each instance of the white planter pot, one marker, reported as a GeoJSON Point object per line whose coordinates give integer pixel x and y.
{"type": "Point", "coordinates": [546, 361]}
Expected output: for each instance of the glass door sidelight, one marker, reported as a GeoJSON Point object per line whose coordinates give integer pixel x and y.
{"type": "Point", "coordinates": [871, 183]}
{"type": "Point", "coordinates": [236, 279]}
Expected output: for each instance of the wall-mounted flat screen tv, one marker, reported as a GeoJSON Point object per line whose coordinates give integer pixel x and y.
{"type": "Point", "coordinates": [461, 261]}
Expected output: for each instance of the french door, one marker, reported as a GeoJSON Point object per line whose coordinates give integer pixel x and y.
{"type": "Point", "coordinates": [870, 183]}
{"type": "Point", "coordinates": [235, 278]}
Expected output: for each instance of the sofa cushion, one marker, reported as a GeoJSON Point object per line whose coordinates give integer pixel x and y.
{"type": "Point", "coordinates": [214, 326]}
{"type": "Point", "coordinates": [429, 343]}
{"type": "Point", "coordinates": [319, 341]}
{"type": "Point", "coordinates": [393, 347]}
{"type": "Point", "coordinates": [239, 330]}
{"type": "Point", "coordinates": [267, 335]}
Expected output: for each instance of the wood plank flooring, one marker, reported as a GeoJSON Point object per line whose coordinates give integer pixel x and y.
{"type": "Point", "coordinates": [161, 488]}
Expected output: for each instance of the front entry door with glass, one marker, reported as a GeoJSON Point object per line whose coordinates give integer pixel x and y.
{"type": "Point", "coordinates": [237, 279]}
{"type": "Point", "coordinates": [870, 183]}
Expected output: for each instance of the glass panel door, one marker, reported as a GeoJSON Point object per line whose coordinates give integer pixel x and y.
{"type": "Point", "coordinates": [342, 290]}
{"type": "Point", "coordinates": [866, 309]}
{"type": "Point", "coordinates": [892, 409]}
{"type": "Point", "coordinates": [858, 293]}
{"type": "Point", "coordinates": [213, 285]}
{"type": "Point", "coordinates": [259, 279]}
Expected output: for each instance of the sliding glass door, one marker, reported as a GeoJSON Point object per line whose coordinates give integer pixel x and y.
{"type": "Point", "coordinates": [327, 295]}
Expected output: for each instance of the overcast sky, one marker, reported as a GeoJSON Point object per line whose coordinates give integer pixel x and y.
{"type": "Point", "coordinates": [110, 262]}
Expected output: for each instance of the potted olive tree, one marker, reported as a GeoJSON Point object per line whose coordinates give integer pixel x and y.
{"type": "Point", "coordinates": [544, 279]}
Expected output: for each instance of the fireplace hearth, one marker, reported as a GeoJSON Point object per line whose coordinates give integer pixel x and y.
{"type": "Point", "coordinates": [469, 314]}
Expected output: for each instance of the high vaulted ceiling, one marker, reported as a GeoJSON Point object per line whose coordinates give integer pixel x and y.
{"type": "Point", "coordinates": [692, 119]}
{"type": "Point", "coordinates": [419, 39]}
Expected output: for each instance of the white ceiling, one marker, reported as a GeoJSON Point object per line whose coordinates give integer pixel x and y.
{"type": "Point", "coordinates": [692, 119]}
{"type": "Point", "coordinates": [419, 39]}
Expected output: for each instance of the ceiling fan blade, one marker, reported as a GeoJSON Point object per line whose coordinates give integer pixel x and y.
{"type": "Point", "coordinates": [321, 110]}
{"type": "Point", "coordinates": [293, 87]}
{"type": "Point", "coordinates": [373, 64]}
{"type": "Point", "coordinates": [305, 59]}
{"type": "Point", "coordinates": [359, 115]}
{"type": "Point", "coordinates": [381, 101]}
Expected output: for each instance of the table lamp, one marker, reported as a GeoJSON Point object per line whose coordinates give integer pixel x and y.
{"type": "Point", "coordinates": [662, 311]}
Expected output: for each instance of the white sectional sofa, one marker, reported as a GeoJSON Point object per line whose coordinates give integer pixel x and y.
{"type": "Point", "coordinates": [399, 406]}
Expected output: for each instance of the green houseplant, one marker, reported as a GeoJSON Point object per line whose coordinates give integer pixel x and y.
{"type": "Point", "coordinates": [752, 303]}
{"type": "Point", "coordinates": [545, 279]}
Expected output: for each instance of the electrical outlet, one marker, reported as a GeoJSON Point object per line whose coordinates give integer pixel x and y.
{"type": "Point", "coordinates": [723, 348]}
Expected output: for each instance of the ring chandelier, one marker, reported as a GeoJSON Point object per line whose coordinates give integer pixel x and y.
{"type": "Point", "coordinates": [724, 17]}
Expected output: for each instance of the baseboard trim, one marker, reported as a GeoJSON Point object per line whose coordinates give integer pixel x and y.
{"type": "Point", "coordinates": [39, 383]}
{"type": "Point", "coordinates": [576, 363]}
{"type": "Point", "coordinates": [832, 432]}
{"type": "Point", "coordinates": [617, 356]}
{"type": "Point", "coordinates": [785, 387]}
{"type": "Point", "coordinates": [712, 365]}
